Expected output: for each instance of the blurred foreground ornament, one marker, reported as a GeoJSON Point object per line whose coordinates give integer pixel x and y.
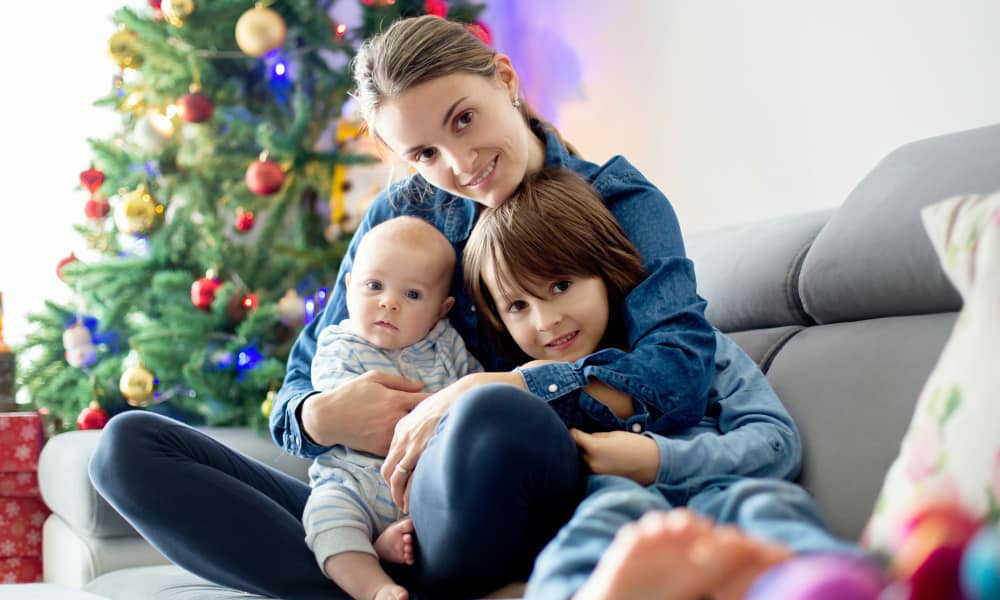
{"type": "Point", "coordinates": [92, 417]}
{"type": "Point", "coordinates": [138, 213]}
{"type": "Point", "coordinates": [138, 385]}
{"type": "Point", "coordinates": [123, 46]}
{"type": "Point", "coordinates": [264, 176]}
{"type": "Point", "coordinates": [930, 550]}
{"type": "Point", "coordinates": [820, 576]}
{"type": "Point", "coordinates": [980, 573]}
{"type": "Point", "coordinates": [260, 30]}
{"type": "Point", "coordinates": [79, 346]}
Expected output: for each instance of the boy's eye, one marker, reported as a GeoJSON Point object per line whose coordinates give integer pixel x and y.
{"type": "Point", "coordinates": [374, 285]}
{"type": "Point", "coordinates": [463, 120]}
{"type": "Point", "coordinates": [413, 295]}
{"type": "Point", "coordinates": [561, 286]}
{"type": "Point", "coordinates": [517, 306]}
{"type": "Point", "coordinates": [425, 155]}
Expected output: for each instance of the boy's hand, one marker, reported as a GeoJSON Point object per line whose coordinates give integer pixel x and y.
{"type": "Point", "coordinates": [620, 453]}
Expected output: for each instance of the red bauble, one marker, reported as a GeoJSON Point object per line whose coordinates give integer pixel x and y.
{"type": "Point", "coordinates": [438, 8]}
{"type": "Point", "coordinates": [481, 31]}
{"type": "Point", "coordinates": [92, 417]}
{"type": "Point", "coordinates": [195, 107]}
{"type": "Point", "coordinates": [155, 4]}
{"type": "Point", "coordinates": [96, 208]}
{"type": "Point", "coordinates": [91, 179]}
{"type": "Point", "coordinates": [244, 220]}
{"type": "Point", "coordinates": [264, 177]}
{"type": "Point", "coordinates": [62, 263]}
{"type": "Point", "coordinates": [203, 292]}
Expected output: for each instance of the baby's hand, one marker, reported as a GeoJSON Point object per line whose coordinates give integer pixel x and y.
{"type": "Point", "coordinates": [620, 453]}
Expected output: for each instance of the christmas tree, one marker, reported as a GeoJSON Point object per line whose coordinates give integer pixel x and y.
{"type": "Point", "coordinates": [216, 217]}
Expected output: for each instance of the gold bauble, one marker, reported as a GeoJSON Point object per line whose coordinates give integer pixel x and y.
{"type": "Point", "coordinates": [259, 31]}
{"type": "Point", "coordinates": [124, 49]}
{"type": "Point", "coordinates": [138, 213]}
{"type": "Point", "coordinates": [267, 404]}
{"type": "Point", "coordinates": [175, 11]}
{"type": "Point", "coordinates": [138, 384]}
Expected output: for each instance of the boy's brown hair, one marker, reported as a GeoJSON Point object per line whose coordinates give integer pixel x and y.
{"type": "Point", "coordinates": [555, 225]}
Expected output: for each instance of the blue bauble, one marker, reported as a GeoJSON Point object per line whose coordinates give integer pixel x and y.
{"type": "Point", "coordinates": [980, 570]}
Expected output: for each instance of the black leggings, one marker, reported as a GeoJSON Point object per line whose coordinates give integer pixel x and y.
{"type": "Point", "coordinates": [497, 480]}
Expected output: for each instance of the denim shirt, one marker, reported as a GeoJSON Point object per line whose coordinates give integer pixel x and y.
{"type": "Point", "coordinates": [746, 431]}
{"type": "Point", "coordinates": [667, 373]}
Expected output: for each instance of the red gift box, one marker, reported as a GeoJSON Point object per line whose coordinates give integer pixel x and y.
{"type": "Point", "coordinates": [20, 569]}
{"type": "Point", "coordinates": [19, 485]}
{"type": "Point", "coordinates": [21, 526]}
{"type": "Point", "coordinates": [20, 441]}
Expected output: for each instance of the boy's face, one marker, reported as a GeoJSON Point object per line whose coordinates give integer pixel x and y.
{"type": "Point", "coordinates": [396, 293]}
{"type": "Point", "coordinates": [563, 319]}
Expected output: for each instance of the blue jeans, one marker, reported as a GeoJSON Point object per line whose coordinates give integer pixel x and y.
{"type": "Point", "coordinates": [499, 478]}
{"type": "Point", "coordinates": [769, 509]}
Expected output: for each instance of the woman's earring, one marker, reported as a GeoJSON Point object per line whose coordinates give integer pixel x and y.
{"type": "Point", "coordinates": [517, 103]}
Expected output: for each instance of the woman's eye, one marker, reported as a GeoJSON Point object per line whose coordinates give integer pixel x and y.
{"type": "Point", "coordinates": [425, 155]}
{"type": "Point", "coordinates": [463, 120]}
{"type": "Point", "coordinates": [413, 295]}
{"type": "Point", "coordinates": [374, 285]}
{"type": "Point", "coordinates": [561, 286]}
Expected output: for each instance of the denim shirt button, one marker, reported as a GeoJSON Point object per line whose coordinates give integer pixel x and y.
{"type": "Point", "coordinates": [553, 387]}
{"type": "Point", "coordinates": [636, 427]}
{"type": "Point", "coordinates": [472, 309]}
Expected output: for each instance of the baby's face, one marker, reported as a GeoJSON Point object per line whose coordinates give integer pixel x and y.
{"type": "Point", "coordinates": [396, 294]}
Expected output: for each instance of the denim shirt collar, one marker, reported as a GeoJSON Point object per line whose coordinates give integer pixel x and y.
{"type": "Point", "coordinates": [461, 213]}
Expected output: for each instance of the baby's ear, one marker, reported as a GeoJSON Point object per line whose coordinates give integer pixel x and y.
{"type": "Point", "coordinates": [446, 306]}
{"type": "Point", "coordinates": [347, 279]}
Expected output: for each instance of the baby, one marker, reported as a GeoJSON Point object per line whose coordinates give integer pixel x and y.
{"type": "Point", "coordinates": [397, 299]}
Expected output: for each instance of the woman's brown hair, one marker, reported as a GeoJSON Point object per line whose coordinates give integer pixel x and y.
{"type": "Point", "coordinates": [555, 225]}
{"type": "Point", "coordinates": [417, 50]}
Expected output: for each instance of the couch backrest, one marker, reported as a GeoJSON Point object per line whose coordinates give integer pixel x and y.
{"type": "Point", "coordinates": [847, 310]}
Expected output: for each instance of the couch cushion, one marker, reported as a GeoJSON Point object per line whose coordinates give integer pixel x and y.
{"type": "Point", "coordinates": [951, 451]}
{"type": "Point", "coordinates": [851, 388]}
{"type": "Point", "coordinates": [764, 344]}
{"type": "Point", "coordinates": [872, 259]}
{"type": "Point", "coordinates": [749, 273]}
{"type": "Point", "coordinates": [161, 583]}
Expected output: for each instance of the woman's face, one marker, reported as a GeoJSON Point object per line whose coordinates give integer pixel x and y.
{"type": "Point", "coordinates": [462, 134]}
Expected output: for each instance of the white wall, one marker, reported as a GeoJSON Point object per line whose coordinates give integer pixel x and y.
{"type": "Point", "coordinates": [744, 110]}
{"type": "Point", "coordinates": [55, 66]}
{"type": "Point", "coordinates": [738, 110]}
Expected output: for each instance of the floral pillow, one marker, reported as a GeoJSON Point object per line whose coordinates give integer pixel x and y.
{"type": "Point", "coordinates": [951, 451]}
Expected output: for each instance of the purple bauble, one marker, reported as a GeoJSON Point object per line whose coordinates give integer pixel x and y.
{"type": "Point", "coordinates": [821, 576]}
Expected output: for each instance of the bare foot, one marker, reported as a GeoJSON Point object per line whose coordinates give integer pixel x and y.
{"type": "Point", "coordinates": [395, 544]}
{"type": "Point", "coordinates": [678, 555]}
{"type": "Point", "coordinates": [391, 592]}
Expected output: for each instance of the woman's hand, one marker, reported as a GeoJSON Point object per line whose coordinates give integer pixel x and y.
{"type": "Point", "coordinates": [361, 413]}
{"type": "Point", "coordinates": [414, 431]}
{"type": "Point", "coordinates": [620, 453]}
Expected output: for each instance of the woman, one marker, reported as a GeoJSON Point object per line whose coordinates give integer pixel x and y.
{"type": "Point", "coordinates": [486, 495]}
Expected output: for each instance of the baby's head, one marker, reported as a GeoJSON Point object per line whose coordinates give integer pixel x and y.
{"type": "Point", "coordinates": [549, 270]}
{"type": "Point", "coordinates": [397, 289]}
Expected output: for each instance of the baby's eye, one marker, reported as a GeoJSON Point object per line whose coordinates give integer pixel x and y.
{"type": "Point", "coordinates": [463, 120]}
{"type": "Point", "coordinates": [374, 285]}
{"type": "Point", "coordinates": [413, 295]}
{"type": "Point", "coordinates": [560, 286]}
{"type": "Point", "coordinates": [517, 306]}
{"type": "Point", "coordinates": [425, 155]}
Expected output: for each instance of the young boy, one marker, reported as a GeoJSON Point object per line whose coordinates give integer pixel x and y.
{"type": "Point", "coordinates": [397, 298]}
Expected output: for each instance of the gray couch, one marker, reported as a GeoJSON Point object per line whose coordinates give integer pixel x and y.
{"type": "Point", "coordinates": [845, 310]}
